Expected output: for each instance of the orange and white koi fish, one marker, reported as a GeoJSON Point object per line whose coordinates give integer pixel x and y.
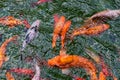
{"type": "Point", "coordinates": [10, 21]}
{"type": "Point", "coordinates": [57, 29]}
{"type": "Point", "coordinates": [68, 61]}
{"type": "Point", "coordinates": [24, 71]}
{"type": "Point", "coordinates": [9, 76]}
{"type": "Point", "coordinates": [3, 58]}
{"type": "Point", "coordinates": [96, 24]}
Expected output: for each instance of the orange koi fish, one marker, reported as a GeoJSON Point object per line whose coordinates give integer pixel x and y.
{"type": "Point", "coordinates": [3, 58]}
{"type": "Point", "coordinates": [22, 71]}
{"type": "Point", "coordinates": [95, 24]}
{"type": "Point", "coordinates": [57, 29]}
{"type": "Point", "coordinates": [90, 31]}
{"type": "Point", "coordinates": [68, 61]}
{"type": "Point", "coordinates": [105, 70]}
{"type": "Point", "coordinates": [9, 76]}
{"type": "Point", "coordinates": [64, 31]}
{"type": "Point", "coordinates": [102, 76]}
{"type": "Point", "coordinates": [10, 21]}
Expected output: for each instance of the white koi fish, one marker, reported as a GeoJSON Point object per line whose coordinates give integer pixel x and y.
{"type": "Point", "coordinates": [31, 33]}
{"type": "Point", "coordinates": [37, 73]}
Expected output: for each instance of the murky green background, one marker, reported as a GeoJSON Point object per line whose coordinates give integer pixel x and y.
{"type": "Point", "coordinates": [107, 44]}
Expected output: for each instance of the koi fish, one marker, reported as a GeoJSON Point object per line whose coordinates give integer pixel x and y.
{"type": "Point", "coordinates": [26, 23]}
{"type": "Point", "coordinates": [64, 31]}
{"type": "Point", "coordinates": [57, 29]}
{"type": "Point", "coordinates": [105, 15]}
{"type": "Point", "coordinates": [105, 70]}
{"type": "Point", "coordinates": [40, 2]}
{"type": "Point", "coordinates": [37, 74]}
{"type": "Point", "coordinates": [90, 31]}
{"type": "Point", "coordinates": [9, 76]}
{"type": "Point", "coordinates": [102, 76]}
{"type": "Point", "coordinates": [31, 33]}
{"type": "Point", "coordinates": [3, 58]}
{"type": "Point", "coordinates": [96, 24]}
{"type": "Point", "coordinates": [22, 71]}
{"type": "Point", "coordinates": [10, 21]}
{"type": "Point", "coordinates": [60, 29]}
{"type": "Point", "coordinates": [68, 61]}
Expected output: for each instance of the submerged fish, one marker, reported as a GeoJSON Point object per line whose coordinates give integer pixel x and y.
{"type": "Point", "coordinates": [9, 76]}
{"type": "Point", "coordinates": [10, 21]}
{"type": "Point", "coordinates": [31, 33]}
{"type": "Point", "coordinates": [37, 73]}
{"type": "Point", "coordinates": [69, 61]}
{"type": "Point", "coordinates": [3, 58]}
{"type": "Point", "coordinates": [61, 27]}
{"type": "Point", "coordinates": [96, 24]}
{"type": "Point", "coordinates": [24, 71]}
{"type": "Point", "coordinates": [57, 29]}
{"type": "Point", "coordinates": [40, 2]}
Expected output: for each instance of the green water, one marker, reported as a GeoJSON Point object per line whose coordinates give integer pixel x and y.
{"type": "Point", "coordinates": [107, 43]}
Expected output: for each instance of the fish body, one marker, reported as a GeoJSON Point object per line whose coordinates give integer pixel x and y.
{"type": "Point", "coordinates": [68, 61]}
{"type": "Point", "coordinates": [90, 31]}
{"type": "Point", "coordinates": [31, 34]}
{"type": "Point", "coordinates": [3, 58]}
{"type": "Point", "coordinates": [64, 31]}
{"type": "Point", "coordinates": [24, 71]}
{"type": "Point", "coordinates": [57, 29]}
{"type": "Point", "coordinates": [10, 21]}
{"type": "Point", "coordinates": [37, 74]}
{"type": "Point", "coordinates": [9, 76]}
{"type": "Point", "coordinates": [106, 14]}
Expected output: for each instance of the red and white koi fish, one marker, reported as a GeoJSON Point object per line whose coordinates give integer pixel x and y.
{"type": "Point", "coordinates": [3, 58]}
{"type": "Point", "coordinates": [31, 33]}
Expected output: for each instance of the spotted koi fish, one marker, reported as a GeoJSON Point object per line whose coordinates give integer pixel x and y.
{"type": "Point", "coordinates": [3, 58]}
{"type": "Point", "coordinates": [68, 61]}
{"type": "Point", "coordinates": [9, 76]}
{"type": "Point", "coordinates": [10, 21]}
{"type": "Point", "coordinates": [31, 33]}
{"type": "Point", "coordinates": [96, 24]}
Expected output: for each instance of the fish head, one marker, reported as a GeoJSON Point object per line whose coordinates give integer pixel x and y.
{"type": "Point", "coordinates": [54, 61]}
{"type": "Point", "coordinates": [35, 24]}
